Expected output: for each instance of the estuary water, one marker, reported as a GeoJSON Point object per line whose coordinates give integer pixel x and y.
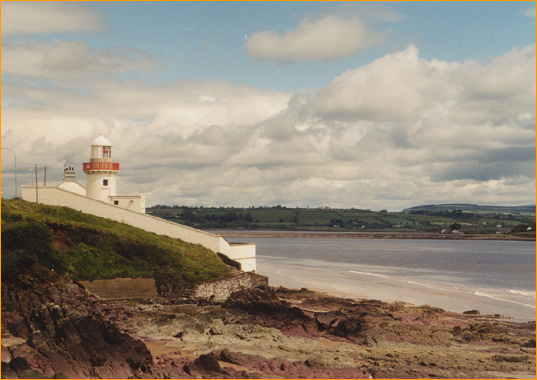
{"type": "Point", "coordinates": [494, 277]}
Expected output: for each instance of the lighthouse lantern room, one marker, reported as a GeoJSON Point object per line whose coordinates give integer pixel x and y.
{"type": "Point", "coordinates": [101, 171]}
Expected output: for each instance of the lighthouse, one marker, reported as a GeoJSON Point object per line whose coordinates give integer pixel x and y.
{"type": "Point", "coordinates": [100, 184]}
{"type": "Point", "coordinates": [101, 171]}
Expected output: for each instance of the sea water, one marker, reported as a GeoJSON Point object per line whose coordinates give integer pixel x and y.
{"type": "Point", "coordinates": [494, 277]}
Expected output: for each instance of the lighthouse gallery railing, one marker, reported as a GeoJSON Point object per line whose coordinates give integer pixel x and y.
{"type": "Point", "coordinates": [100, 166]}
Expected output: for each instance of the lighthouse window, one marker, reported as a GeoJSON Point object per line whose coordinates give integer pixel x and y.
{"type": "Point", "coordinates": [107, 151]}
{"type": "Point", "coordinates": [105, 182]}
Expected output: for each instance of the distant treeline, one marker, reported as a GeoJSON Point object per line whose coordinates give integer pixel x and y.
{"type": "Point", "coordinates": [327, 219]}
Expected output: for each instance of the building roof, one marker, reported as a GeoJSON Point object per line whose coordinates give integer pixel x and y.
{"type": "Point", "coordinates": [101, 141]}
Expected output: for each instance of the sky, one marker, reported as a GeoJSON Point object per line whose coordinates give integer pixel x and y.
{"type": "Point", "coordinates": [372, 105]}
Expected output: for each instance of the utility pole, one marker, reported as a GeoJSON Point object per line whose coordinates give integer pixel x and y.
{"type": "Point", "coordinates": [45, 178]}
{"type": "Point", "coordinates": [36, 199]}
{"type": "Point", "coordinates": [16, 184]}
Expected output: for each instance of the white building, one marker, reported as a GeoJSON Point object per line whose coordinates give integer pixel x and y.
{"type": "Point", "coordinates": [101, 178]}
{"type": "Point", "coordinates": [99, 198]}
{"type": "Point", "coordinates": [69, 182]}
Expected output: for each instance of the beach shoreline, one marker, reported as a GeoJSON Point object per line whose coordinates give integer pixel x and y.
{"type": "Point", "coordinates": [364, 235]}
{"type": "Point", "coordinates": [366, 286]}
{"type": "Point", "coordinates": [416, 271]}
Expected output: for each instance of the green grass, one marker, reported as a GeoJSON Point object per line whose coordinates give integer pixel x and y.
{"type": "Point", "coordinates": [88, 247]}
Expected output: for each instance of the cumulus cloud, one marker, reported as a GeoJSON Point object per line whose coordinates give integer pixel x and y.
{"type": "Point", "coordinates": [402, 87]}
{"type": "Point", "coordinates": [429, 112]}
{"type": "Point", "coordinates": [400, 131]}
{"type": "Point", "coordinates": [327, 38]}
{"type": "Point", "coordinates": [38, 17]}
{"type": "Point", "coordinates": [396, 87]}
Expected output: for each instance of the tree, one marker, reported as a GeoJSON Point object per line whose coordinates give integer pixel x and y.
{"type": "Point", "coordinates": [455, 226]}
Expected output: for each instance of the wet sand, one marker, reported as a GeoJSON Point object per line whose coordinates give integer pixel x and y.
{"type": "Point", "coordinates": [357, 285]}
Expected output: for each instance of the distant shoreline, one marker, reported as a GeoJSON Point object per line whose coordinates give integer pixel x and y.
{"type": "Point", "coordinates": [362, 235]}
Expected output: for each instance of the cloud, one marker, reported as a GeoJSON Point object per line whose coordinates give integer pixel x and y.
{"type": "Point", "coordinates": [327, 38]}
{"type": "Point", "coordinates": [63, 59]}
{"type": "Point", "coordinates": [399, 131]}
{"type": "Point", "coordinates": [189, 125]}
{"type": "Point", "coordinates": [39, 17]}
{"type": "Point", "coordinates": [395, 87]}
{"type": "Point", "coordinates": [404, 87]}
{"type": "Point", "coordinates": [530, 12]}
{"type": "Point", "coordinates": [490, 164]}
{"type": "Point", "coordinates": [438, 120]}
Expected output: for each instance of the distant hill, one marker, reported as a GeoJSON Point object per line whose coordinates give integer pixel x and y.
{"type": "Point", "coordinates": [476, 209]}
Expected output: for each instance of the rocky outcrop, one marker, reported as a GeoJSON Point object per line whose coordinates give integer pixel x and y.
{"type": "Point", "coordinates": [280, 333]}
{"type": "Point", "coordinates": [52, 328]}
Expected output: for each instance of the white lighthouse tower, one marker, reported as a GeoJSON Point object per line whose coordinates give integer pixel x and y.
{"type": "Point", "coordinates": [101, 171]}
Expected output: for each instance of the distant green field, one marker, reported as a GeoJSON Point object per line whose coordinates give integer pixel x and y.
{"type": "Point", "coordinates": [325, 219]}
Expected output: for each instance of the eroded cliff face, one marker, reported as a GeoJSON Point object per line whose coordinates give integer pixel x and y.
{"type": "Point", "coordinates": [52, 327]}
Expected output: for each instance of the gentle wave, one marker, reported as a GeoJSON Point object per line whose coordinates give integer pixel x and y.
{"type": "Point", "coordinates": [522, 292]}
{"type": "Point", "coordinates": [456, 290]}
{"type": "Point", "coordinates": [412, 282]}
{"type": "Point", "coordinates": [495, 297]}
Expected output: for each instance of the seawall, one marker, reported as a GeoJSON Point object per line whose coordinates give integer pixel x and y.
{"type": "Point", "coordinates": [136, 288]}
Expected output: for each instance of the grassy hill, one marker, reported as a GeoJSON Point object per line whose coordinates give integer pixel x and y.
{"type": "Point", "coordinates": [326, 219]}
{"type": "Point", "coordinates": [87, 247]}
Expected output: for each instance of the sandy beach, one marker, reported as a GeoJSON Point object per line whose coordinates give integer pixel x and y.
{"type": "Point", "coordinates": [360, 285]}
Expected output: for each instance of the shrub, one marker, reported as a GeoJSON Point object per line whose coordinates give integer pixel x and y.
{"type": "Point", "coordinates": [32, 240]}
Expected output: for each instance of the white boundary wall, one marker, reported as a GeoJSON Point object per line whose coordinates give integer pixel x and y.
{"type": "Point", "coordinates": [242, 253]}
{"type": "Point", "coordinates": [130, 202]}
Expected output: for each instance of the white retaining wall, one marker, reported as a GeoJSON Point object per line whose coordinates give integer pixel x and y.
{"type": "Point", "coordinates": [242, 253]}
{"type": "Point", "coordinates": [130, 202]}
